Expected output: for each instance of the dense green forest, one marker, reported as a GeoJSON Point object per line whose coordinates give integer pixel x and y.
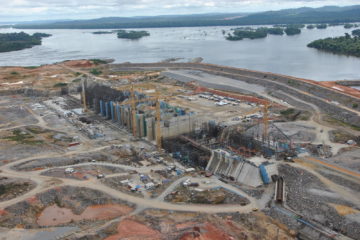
{"type": "Point", "coordinates": [132, 34]}
{"type": "Point", "coordinates": [241, 33]}
{"type": "Point", "coordinates": [329, 14]}
{"type": "Point", "coordinates": [310, 26]}
{"type": "Point", "coordinates": [350, 25]}
{"type": "Point", "coordinates": [356, 32]}
{"type": "Point", "coordinates": [18, 41]}
{"type": "Point", "coordinates": [292, 31]}
{"type": "Point", "coordinates": [342, 45]}
{"type": "Point", "coordinates": [275, 31]}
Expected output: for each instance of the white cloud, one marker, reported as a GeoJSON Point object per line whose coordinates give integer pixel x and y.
{"type": "Point", "coordinates": [11, 10]}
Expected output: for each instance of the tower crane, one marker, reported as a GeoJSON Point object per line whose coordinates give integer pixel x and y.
{"type": "Point", "coordinates": [157, 100]}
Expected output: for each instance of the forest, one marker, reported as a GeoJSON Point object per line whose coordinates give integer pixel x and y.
{"type": "Point", "coordinates": [132, 34]}
{"type": "Point", "coordinates": [292, 31]}
{"type": "Point", "coordinates": [347, 45]}
{"type": "Point", "coordinates": [241, 33]}
{"type": "Point", "coordinates": [18, 41]}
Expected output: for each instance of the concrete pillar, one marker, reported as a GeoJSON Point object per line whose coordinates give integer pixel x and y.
{"type": "Point", "coordinates": [101, 107]}
{"type": "Point", "coordinates": [96, 105]}
{"type": "Point", "coordinates": [112, 116]}
{"type": "Point", "coordinates": [118, 114]}
{"type": "Point", "coordinates": [107, 110]}
{"type": "Point", "coordinates": [150, 128]}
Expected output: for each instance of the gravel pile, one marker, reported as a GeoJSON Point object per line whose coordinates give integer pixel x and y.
{"type": "Point", "coordinates": [314, 207]}
{"type": "Point", "coordinates": [342, 181]}
{"type": "Point", "coordinates": [253, 192]}
{"type": "Point", "coordinates": [209, 196]}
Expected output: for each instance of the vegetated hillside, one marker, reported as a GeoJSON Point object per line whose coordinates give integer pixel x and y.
{"type": "Point", "coordinates": [343, 45]}
{"type": "Point", "coordinates": [18, 41]}
{"type": "Point", "coordinates": [330, 14]}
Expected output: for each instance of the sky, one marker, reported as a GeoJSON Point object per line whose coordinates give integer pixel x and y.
{"type": "Point", "coordinates": [25, 10]}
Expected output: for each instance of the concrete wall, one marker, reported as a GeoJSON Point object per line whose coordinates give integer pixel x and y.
{"type": "Point", "coordinates": [177, 126]}
{"type": "Point", "coordinates": [243, 171]}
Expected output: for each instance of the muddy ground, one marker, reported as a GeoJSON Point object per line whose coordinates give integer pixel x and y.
{"type": "Point", "coordinates": [165, 225]}
{"type": "Point", "coordinates": [75, 204]}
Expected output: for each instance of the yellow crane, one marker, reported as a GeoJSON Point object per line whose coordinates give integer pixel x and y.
{"type": "Point", "coordinates": [131, 88]}
{"type": "Point", "coordinates": [157, 100]}
{"type": "Point", "coordinates": [83, 95]}
{"type": "Point", "coordinates": [145, 88]}
{"type": "Point", "coordinates": [266, 121]}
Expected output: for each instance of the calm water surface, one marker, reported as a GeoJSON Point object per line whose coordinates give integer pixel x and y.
{"type": "Point", "coordinates": [280, 54]}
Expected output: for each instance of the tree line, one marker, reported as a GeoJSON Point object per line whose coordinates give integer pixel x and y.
{"type": "Point", "coordinates": [18, 41]}
{"type": "Point", "coordinates": [341, 45]}
{"type": "Point", "coordinates": [241, 33]}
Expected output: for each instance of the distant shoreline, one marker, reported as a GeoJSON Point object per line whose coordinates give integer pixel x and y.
{"type": "Point", "coordinates": [329, 14]}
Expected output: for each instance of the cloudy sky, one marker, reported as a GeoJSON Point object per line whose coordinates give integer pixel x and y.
{"type": "Point", "coordinates": [20, 10]}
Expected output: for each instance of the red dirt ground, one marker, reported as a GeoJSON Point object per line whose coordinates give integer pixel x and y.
{"type": "Point", "coordinates": [54, 215]}
{"type": "Point", "coordinates": [206, 232]}
{"type": "Point", "coordinates": [131, 230]}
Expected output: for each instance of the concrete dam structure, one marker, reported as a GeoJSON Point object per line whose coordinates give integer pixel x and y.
{"type": "Point", "coordinates": [243, 171]}
{"type": "Point", "coordinates": [112, 104]}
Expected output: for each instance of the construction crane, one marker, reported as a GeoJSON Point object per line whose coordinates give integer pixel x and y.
{"type": "Point", "coordinates": [131, 88]}
{"type": "Point", "coordinates": [83, 95]}
{"type": "Point", "coordinates": [157, 100]}
{"type": "Point", "coordinates": [266, 121]}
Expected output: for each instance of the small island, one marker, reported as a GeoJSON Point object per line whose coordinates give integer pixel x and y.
{"type": "Point", "coordinates": [341, 45]}
{"type": "Point", "coordinates": [18, 41]}
{"type": "Point", "coordinates": [310, 26]}
{"type": "Point", "coordinates": [241, 33]}
{"type": "Point", "coordinates": [103, 32]}
{"type": "Point", "coordinates": [275, 31]}
{"type": "Point", "coordinates": [292, 31]}
{"type": "Point", "coordinates": [321, 26]}
{"type": "Point", "coordinates": [132, 34]}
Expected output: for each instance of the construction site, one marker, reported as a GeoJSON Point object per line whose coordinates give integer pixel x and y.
{"type": "Point", "coordinates": [176, 151]}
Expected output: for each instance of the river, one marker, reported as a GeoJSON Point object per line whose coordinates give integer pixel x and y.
{"type": "Point", "coordinates": [279, 54]}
